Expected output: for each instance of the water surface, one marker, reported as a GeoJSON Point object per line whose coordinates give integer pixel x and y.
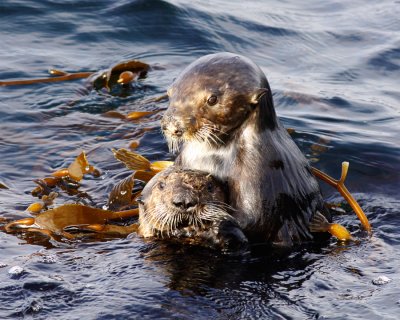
{"type": "Point", "coordinates": [334, 68]}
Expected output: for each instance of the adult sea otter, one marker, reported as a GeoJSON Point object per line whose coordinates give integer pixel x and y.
{"type": "Point", "coordinates": [221, 116]}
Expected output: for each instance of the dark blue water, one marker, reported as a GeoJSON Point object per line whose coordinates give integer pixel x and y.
{"type": "Point", "coordinates": [334, 68]}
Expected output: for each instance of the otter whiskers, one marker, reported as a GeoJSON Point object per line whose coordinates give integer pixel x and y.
{"type": "Point", "coordinates": [207, 133]}
{"type": "Point", "coordinates": [164, 222]}
{"type": "Point", "coordinates": [215, 211]}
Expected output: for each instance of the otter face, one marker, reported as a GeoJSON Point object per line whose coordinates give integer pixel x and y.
{"type": "Point", "coordinates": [177, 198]}
{"type": "Point", "coordinates": [211, 98]}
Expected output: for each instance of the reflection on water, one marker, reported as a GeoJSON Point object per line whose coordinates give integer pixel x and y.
{"type": "Point", "coordinates": [333, 68]}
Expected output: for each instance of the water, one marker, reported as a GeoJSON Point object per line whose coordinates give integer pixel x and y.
{"type": "Point", "coordinates": [333, 67]}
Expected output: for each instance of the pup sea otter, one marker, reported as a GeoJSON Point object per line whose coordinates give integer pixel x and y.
{"type": "Point", "coordinates": [221, 113]}
{"type": "Point", "coordinates": [189, 205]}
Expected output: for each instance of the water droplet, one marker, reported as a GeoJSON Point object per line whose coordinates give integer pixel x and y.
{"type": "Point", "coordinates": [15, 270]}
{"type": "Point", "coordinates": [49, 259]}
{"type": "Point", "coordinates": [123, 192]}
{"type": "Point", "coordinates": [36, 306]}
{"type": "Point", "coordinates": [381, 280]}
{"type": "Point", "coordinates": [105, 207]}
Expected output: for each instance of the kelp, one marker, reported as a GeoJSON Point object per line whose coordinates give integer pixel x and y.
{"type": "Point", "coordinates": [135, 161]}
{"type": "Point", "coordinates": [120, 74]}
{"type": "Point", "coordinates": [59, 77]}
{"type": "Point", "coordinates": [77, 169]}
{"type": "Point", "coordinates": [134, 115]}
{"type": "Point", "coordinates": [65, 179]}
{"type": "Point", "coordinates": [121, 195]}
{"type": "Point", "coordinates": [57, 221]}
{"type": "Point", "coordinates": [76, 220]}
{"type": "Point", "coordinates": [47, 200]}
{"type": "Point", "coordinates": [320, 224]}
{"type": "Point", "coordinates": [70, 221]}
{"type": "Point", "coordinates": [339, 185]}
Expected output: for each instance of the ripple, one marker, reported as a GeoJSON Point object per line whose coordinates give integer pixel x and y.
{"type": "Point", "coordinates": [387, 61]}
{"type": "Point", "coordinates": [333, 68]}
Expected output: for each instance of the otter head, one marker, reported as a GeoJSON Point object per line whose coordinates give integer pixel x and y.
{"type": "Point", "coordinates": [177, 198]}
{"type": "Point", "coordinates": [213, 97]}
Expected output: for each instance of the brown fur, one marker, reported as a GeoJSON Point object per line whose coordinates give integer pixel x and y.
{"type": "Point", "coordinates": [240, 139]}
{"type": "Point", "coordinates": [183, 204]}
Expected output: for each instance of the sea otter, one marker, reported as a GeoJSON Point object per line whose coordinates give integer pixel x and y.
{"type": "Point", "coordinates": [221, 116]}
{"type": "Point", "coordinates": [189, 205]}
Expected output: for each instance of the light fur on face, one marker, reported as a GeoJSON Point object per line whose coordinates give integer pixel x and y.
{"type": "Point", "coordinates": [207, 133]}
{"type": "Point", "coordinates": [164, 220]}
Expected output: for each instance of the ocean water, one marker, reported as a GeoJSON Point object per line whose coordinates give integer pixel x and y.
{"type": "Point", "coordinates": [334, 68]}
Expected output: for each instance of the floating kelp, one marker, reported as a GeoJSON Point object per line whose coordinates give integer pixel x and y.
{"type": "Point", "coordinates": [134, 144]}
{"type": "Point", "coordinates": [106, 229]}
{"type": "Point", "coordinates": [144, 176]}
{"type": "Point", "coordinates": [77, 169]}
{"type": "Point", "coordinates": [339, 185]}
{"type": "Point", "coordinates": [59, 77]}
{"type": "Point", "coordinates": [35, 207]}
{"type": "Point", "coordinates": [66, 179]}
{"type": "Point", "coordinates": [121, 74]}
{"type": "Point", "coordinates": [135, 115]}
{"type": "Point", "coordinates": [121, 195]}
{"type": "Point", "coordinates": [135, 161]}
{"type": "Point", "coordinates": [47, 200]}
{"type": "Point", "coordinates": [132, 160]}
{"type": "Point", "coordinates": [56, 221]}
{"type": "Point", "coordinates": [321, 224]}
{"type": "Point", "coordinates": [320, 146]}
{"type": "Point", "coordinates": [70, 221]}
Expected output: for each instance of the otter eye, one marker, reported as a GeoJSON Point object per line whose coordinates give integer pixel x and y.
{"type": "Point", "coordinates": [210, 187]}
{"type": "Point", "coordinates": [211, 101]}
{"type": "Point", "coordinates": [161, 185]}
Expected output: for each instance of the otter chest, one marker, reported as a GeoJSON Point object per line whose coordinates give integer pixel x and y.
{"type": "Point", "coordinates": [217, 161]}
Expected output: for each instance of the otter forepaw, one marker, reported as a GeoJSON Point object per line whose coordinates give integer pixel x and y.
{"type": "Point", "coordinates": [230, 237]}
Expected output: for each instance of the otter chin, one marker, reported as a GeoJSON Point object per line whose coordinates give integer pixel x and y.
{"type": "Point", "coordinates": [221, 118]}
{"type": "Point", "coordinates": [188, 204]}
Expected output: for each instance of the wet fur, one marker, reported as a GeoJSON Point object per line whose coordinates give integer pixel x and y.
{"type": "Point", "coordinates": [160, 217]}
{"type": "Point", "coordinates": [269, 179]}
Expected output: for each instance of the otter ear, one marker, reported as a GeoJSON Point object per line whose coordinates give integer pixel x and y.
{"type": "Point", "coordinates": [257, 94]}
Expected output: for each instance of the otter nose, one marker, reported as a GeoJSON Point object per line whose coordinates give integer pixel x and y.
{"type": "Point", "coordinates": [183, 202]}
{"type": "Point", "coordinates": [173, 129]}
{"type": "Point", "coordinates": [178, 132]}
{"type": "Point", "coordinates": [172, 125]}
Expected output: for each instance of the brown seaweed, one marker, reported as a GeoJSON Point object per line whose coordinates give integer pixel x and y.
{"type": "Point", "coordinates": [54, 221]}
{"type": "Point", "coordinates": [134, 115]}
{"type": "Point", "coordinates": [135, 161]}
{"type": "Point", "coordinates": [120, 74]}
{"type": "Point", "coordinates": [121, 194]}
{"type": "Point", "coordinates": [112, 76]}
{"type": "Point", "coordinates": [339, 185]}
{"type": "Point", "coordinates": [59, 78]}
